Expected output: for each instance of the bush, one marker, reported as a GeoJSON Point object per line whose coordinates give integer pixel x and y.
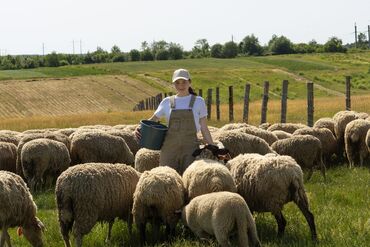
{"type": "Point", "coordinates": [63, 62]}
{"type": "Point", "coordinates": [162, 55]}
{"type": "Point", "coordinates": [216, 51]}
{"type": "Point", "coordinates": [175, 51]}
{"type": "Point", "coordinates": [280, 45]}
{"type": "Point", "coordinates": [230, 50]}
{"type": "Point", "coordinates": [135, 55]}
{"type": "Point", "coordinates": [118, 57]}
{"type": "Point", "coordinates": [334, 45]}
{"type": "Point", "coordinates": [52, 60]}
{"type": "Point", "coordinates": [250, 46]}
{"type": "Point", "coordinates": [146, 55]}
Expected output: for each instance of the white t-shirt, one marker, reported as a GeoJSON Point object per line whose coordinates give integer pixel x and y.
{"type": "Point", "coordinates": [199, 108]}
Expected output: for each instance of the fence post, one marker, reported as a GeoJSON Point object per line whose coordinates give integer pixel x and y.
{"type": "Point", "coordinates": [146, 104]}
{"type": "Point", "coordinates": [310, 104]}
{"type": "Point", "coordinates": [170, 93]}
{"type": "Point", "coordinates": [142, 105]}
{"type": "Point", "coordinates": [246, 102]}
{"type": "Point", "coordinates": [200, 93]}
{"type": "Point", "coordinates": [209, 103]}
{"type": "Point", "coordinates": [264, 102]}
{"type": "Point", "coordinates": [348, 93]}
{"type": "Point", "coordinates": [218, 103]}
{"type": "Point", "coordinates": [231, 104]}
{"type": "Point", "coordinates": [284, 98]}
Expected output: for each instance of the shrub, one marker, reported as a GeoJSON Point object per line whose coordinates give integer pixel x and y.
{"type": "Point", "coordinates": [230, 50]}
{"type": "Point", "coordinates": [216, 51]}
{"type": "Point", "coordinates": [134, 55]}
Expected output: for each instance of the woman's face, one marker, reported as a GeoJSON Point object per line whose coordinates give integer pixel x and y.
{"type": "Point", "coordinates": [182, 86]}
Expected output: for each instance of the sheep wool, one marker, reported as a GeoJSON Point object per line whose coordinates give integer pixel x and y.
{"type": "Point", "coordinates": [18, 209]}
{"type": "Point", "coordinates": [42, 158]}
{"type": "Point", "coordinates": [159, 193]}
{"type": "Point", "coordinates": [205, 176]}
{"type": "Point", "coordinates": [287, 127]}
{"type": "Point", "coordinates": [94, 192]}
{"type": "Point", "coordinates": [146, 159]}
{"type": "Point", "coordinates": [282, 134]}
{"type": "Point", "coordinates": [268, 182]}
{"type": "Point", "coordinates": [355, 141]}
{"type": "Point", "coordinates": [131, 140]}
{"type": "Point", "coordinates": [8, 156]}
{"type": "Point", "coordinates": [325, 122]}
{"type": "Point", "coordinates": [218, 214]}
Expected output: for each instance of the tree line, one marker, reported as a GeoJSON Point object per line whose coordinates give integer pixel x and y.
{"type": "Point", "coordinates": [162, 50]}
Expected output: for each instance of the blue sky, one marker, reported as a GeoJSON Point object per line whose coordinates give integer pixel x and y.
{"type": "Point", "coordinates": [26, 24]}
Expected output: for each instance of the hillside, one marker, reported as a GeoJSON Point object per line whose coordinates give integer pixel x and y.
{"type": "Point", "coordinates": [119, 86]}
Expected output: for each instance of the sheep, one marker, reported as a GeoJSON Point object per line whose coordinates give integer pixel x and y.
{"type": "Point", "coordinates": [205, 176]}
{"type": "Point", "coordinates": [130, 138]}
{"type": "Point", "coordinates": [238, 142]}
{"type": "Point", "coordinates": [280, 134]}
{"type": "Point", "coordinates": [218, 214]}
{"type": "Point", "coordinates": [100, 147]}
{"type": "Point", "coordinates": [328, 141]}
{"type": "Point", "coordinates": [42, 158]}
{"type": "Point", "coordinates": [305, 149]}
{"type": "Point", "coordinates": [10, 136]}
{"type": "Point", "coordinates": [29, 137]}
{"type": "Point", "coordinates": [39, 131]}
{"type": "Point", "coordinates": [355, 141]}
{"type": "Point", "coordinates": [287, 127]}
{"type": "Point", "coordinates": [233, 126]}
{"type": "Point", "coordinates": [8, 156]}
{"type": "Point", "coordinates": [18, 209]}
{"type": "Point", "coordinates": [264, 126]}
{"type": "Point", "coordinates": [94, 192]}
{"type": "Point", "coordinates": [367, 140]}
{"type": "Point", "coordinates": [325, 122]}
{"type": "Point", "coordinates": [146, 159]}
{"type": "Point", "coordinates": [268, 136]}
{"type": "Point", "coordinates": [67, 131]}
{"type": "Point", "coordinates": [268, 182]}
{"type": "Point", "coordinates": [158, 195]}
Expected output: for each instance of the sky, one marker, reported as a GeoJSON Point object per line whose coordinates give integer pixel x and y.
{"type": "Point", "coordinates": [26, 26]}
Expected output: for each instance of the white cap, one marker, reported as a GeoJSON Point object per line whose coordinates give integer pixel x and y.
{"type": "Point", "coordinates": [180, 74]}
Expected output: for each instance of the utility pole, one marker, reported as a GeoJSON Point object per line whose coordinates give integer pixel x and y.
{"type": "Point", "coordinates": [73, 41]}
{"type": "Point", "coordinates": [232, 38]}
{"type": "Point", "coordinates": [43, 49]}
{"type": "Point", "coordinates": [355, 35]}
{"type": "Point", "coordinates": [80, 47]}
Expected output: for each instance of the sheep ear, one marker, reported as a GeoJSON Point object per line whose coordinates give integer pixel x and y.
{"type": "Point", "coordinates": [19, 231]}
{"type": "Point", "coordinates": [40, 225]}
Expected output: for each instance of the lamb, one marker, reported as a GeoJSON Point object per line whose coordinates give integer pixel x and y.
{"type": "Point", "coordinates": [158, 195]}
{"type": "Point", "coordinates": [29, 137]}
{"type": "Point", "coordinates": [355, 141]}
{"type": "Point", "coordinates": [130, 138]}
{"type": "Point", "coordinates": [94, 192]}
{"type": "Point", "coordinates": [42, 158]}
{"type": "Point", "coordinates": [218, 214]}
{"type": "Point", "coordinates": [282, 134]}
{"type": "Point", "coordinates": [205, 176]}
{"type": "Point", "coordinates": [325, 122]}
{"type": "Point", "coordinates": [268, 182]}
{"type": "Point", "coordinates": [305, 149]}
{"type": "Point", "coordinates": [18, 209]}
{"type": "Point", "coordinates": [146, 159]}
{"type": "Point", "coordinates": [8, 156]}
{"type": "Point", "coordinates": [238, 142]}
{"type": "Point", "coordinates": [287, 127]}
{"type": "Point", "coordinates": [328, 141]}
{"type": "Point", "coordinates": [100, 147]}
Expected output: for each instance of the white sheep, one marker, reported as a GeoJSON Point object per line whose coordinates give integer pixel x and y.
{"type": "Point", "coordinates": [325, 122]}
{"type": "Point", "coordinates": [268, 182]}
{"type": "Point", "coordinates": [355, 141]}
{"type": "Point", "coordinates": [43, 158]}
{"type": "Point", "coordinates": [94, 192]}
{"type": "Point", "coordinates": [218, 214]}
{"type": "Point", "coordinates": [287, 127]}
{"type": "Point", "coordinates": [282, 134]}
{"type": "Point", "coordinates": [18, 209]}
{"type": "Point", "coordinates": [8, 156]}
{"type": "Point", "coordinates": [158, 195]}
{"type": "Point", "coordinates": [146, 159]}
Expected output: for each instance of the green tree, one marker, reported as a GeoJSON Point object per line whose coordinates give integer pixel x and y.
{"type": "Point", "coordinates": [135, 55]}
{"type": "Point", "coordinates": [216, 50]}
{"type": "Point", "coordinates": [280, 45]}
{"type": "Point", "coordinates": [334, 44]}
{"type": "Point", "coordinates": [175, 51]}
{"type": "Point", "coordinates": [52, 60]}
{"type": "Point", "coordinates": [162, 54]}
{"type": "Point", "coordinates": [250, 46]}
{"type": "Point", "coordinates": [146, 55]}
{"type": "Point", "coordinates": [230, 50]}
{"type": "Point", "coordinates": [201, 48]}
{"type": "Point", "coordinates": [115, 50]}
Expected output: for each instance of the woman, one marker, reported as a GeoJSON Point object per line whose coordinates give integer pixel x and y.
{"type": "Point", "coordinates": [186, 114]}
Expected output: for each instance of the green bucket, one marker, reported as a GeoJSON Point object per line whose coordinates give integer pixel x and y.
{"type": "Point", "coordinates": [152, 134]}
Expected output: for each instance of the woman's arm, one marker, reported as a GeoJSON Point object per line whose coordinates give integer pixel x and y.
{"type": "Point", "coordinates": [137, 130]}
{"type": "Point", "coordinates": [205, 131]}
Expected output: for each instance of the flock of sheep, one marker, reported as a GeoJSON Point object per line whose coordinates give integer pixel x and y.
{"type": "Point", "coordinates": [101, 173]}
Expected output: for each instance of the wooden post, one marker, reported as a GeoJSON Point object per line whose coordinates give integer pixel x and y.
{"type": "Point", "coordinates": [218, 103]}
{"type": "Point", "coordinates": [348, 93]}
{"type": "Point", "coordinates": [209, 103]}
{"type": "Point", "coordinates": [231, 104]}
{"type": "Point", "coordinates": [246, 102]}
{"type": "Point", "coordinates": [284, 98]}
{"type": "Point", "coordinates": [165, 95]}
{"type": "Point", "coordinates": [264, 102]}
{"type": "Point", "coordinates": [142, 105]}
{"type": "Point", "coordinates": [200, 93]}
{"type": "Point", "coordinates": [310, 104]}
{"type": "Point", "coordinates": [147, 104]}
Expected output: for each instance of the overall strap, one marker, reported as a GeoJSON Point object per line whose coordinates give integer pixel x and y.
{"type": "Point", "coordinates": [192, 100]}
{"type": "Point", "coordinates": [172, 102]}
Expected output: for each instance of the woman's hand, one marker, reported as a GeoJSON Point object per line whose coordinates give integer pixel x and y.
{"type": "Point", "coordinates": [137, 132]}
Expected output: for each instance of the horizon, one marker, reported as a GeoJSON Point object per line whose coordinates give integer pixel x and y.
{"type": "Point", "coordinates": [121, 23]}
